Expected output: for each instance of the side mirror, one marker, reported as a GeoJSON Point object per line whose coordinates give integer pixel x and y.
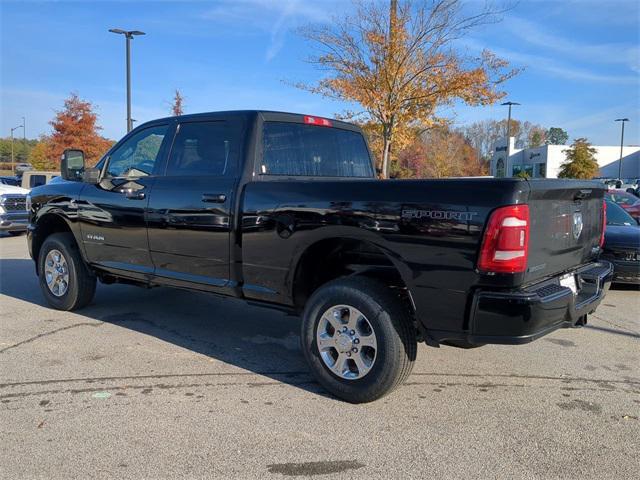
{"type": "Point", "coordinates": [91, 175]}
{"type": "Point", "coordinates": [72, 164]}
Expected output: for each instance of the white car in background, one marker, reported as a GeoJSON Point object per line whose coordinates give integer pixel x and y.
{"type": "Point", "coordinates": [13, 209]}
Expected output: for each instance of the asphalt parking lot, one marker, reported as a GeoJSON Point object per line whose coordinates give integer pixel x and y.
{"type": "Point", "coordinates": [164, 383]}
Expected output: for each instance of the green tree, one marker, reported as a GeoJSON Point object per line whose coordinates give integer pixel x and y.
{"type": "Point", "coordinates": [21, 149]}
{"type": "Point", "coordinates": [556, 136]}
{"type": "Point", "coordinates": [581, 161]}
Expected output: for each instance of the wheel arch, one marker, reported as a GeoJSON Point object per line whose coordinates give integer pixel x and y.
{"type": "Point", "coordinates": [47, 225]}
{"type": "Point", "coordinates": [333, 257]}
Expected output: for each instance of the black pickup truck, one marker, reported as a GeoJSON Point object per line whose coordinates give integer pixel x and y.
{"type": "Point", "coordinates": [284, 210]}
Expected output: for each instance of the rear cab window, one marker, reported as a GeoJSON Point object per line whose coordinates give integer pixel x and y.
{"type": "Point", "coordinates": [295, 149]}
{"type": "Point", "coordinates": [37, 180]}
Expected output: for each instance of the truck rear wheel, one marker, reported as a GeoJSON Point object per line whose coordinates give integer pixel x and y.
{"type": "Point", "coordinates": [358, 339]}
{"type": "Point", "coordinates": [65, 280]}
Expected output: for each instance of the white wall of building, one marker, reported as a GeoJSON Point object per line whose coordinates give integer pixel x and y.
{"type": "Point", "coordinates": [630, 163]}
{"type": "Point", "coordinates": [545, 161]}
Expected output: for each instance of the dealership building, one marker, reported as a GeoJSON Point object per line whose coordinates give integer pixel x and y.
{"type": "Point", "coordinates": [545, 161]}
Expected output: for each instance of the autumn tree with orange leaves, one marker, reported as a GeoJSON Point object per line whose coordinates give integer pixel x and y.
{"type": "Point", "coordinates": [177, 108]}
{"type": "Point", "coordinates": [75, 126]}
{"type": "Point", "coordinates": [398, 61]}
{"type": "Point", "coordinates": [438, 153]}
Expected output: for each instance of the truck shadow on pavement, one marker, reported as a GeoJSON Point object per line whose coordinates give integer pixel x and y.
{"type": "Point", "coordinates": [260, 340]}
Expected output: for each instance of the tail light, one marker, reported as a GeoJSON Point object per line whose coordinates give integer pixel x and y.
{"type": "Point", "coordinates": [604, 223]}
{"type": "Point", "coordinates": [505, 244]}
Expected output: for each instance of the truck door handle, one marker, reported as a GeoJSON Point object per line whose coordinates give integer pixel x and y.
{"type": "Point", "coordinates": [134, 195]}
{"type": "Point", "coordinates": [214, 197]}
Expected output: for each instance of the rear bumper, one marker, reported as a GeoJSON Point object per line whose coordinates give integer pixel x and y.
{"type": "Point", "coordinates": [525, 315]}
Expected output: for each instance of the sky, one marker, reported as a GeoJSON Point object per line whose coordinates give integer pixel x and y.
{"type": "Point", "coordinates": [580, 61]}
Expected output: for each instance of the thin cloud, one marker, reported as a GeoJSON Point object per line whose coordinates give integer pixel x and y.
{"type": "Point", "coordinates": [597, 119]}
{"type": "Point", "coordinates": [552, 66]}
{"type": "Point", "coordinates": [621, 13]}
{"type": "Point", "coordinates": [273, 17]}
{"type": "Point", "coordinates": [612, 53]}
{"type": "Point", "coordinates": [565, 71]}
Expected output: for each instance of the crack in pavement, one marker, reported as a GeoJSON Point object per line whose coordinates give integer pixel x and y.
{"type": "Point", "coordinates": [621, 327]}
{"type": "Point", "coordinates": [52, 332]}
{"type": "Point", "coordinates": [276, 383]}
{"type": "Point", "coordinates": [286, 374]}
{"type": "Point", "coordinates": [290, 378]}
{"type": "Point", "coordinates": [143, 377]}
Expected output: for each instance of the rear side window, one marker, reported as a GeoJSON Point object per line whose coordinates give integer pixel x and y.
{"type": "Point", "coordinates": [307, 150]}
{"type": "Point", "coordinates": [204, 148]}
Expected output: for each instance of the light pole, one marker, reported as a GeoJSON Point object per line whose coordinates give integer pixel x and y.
{"type": "Point", "coordinates": [13, 166]}
{"type": "Point", "coordinates": [510, 104]}
{"type": "Point", "coordinates": [128, 36]}
{"type": "Point", "coordinates": [621, 145]}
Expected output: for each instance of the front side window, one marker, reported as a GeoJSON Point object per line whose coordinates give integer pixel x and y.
{"type": "Point", "coordinates": [137, 156]}
{"type": "Point", "coordinates": [294, 149]}
{"type": "Point", "coordinates": [204, 148]}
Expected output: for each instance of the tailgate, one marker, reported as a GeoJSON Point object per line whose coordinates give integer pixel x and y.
{"type": "Point", "coordinates": [566, 224]}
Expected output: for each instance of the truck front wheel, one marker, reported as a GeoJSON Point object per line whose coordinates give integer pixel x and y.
{"type": "Point", "coordinates": [65, 280]}
{"type": "Point", "coordinates": [358, 338]}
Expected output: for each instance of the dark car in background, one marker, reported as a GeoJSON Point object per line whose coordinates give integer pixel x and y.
{"type": "Point", "coordinates": [622, 244]}
{"type": "Point", "coordinates": [13, 181]}
{"type": "Point", "coordinates": [626, 200]}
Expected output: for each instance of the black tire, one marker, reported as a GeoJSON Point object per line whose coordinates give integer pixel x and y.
{"type": "Point", "coordinates": [393, 326]}
{"type": "Point", "coordinates": [82, 283]}
{"type": "Point", "coordinates": [16, 234]}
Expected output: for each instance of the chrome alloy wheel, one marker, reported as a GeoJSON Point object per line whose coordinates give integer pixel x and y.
{"type": "Point", "coordinates": [56, 273]}
{"type": "Point", "coordinates": [346, 341]}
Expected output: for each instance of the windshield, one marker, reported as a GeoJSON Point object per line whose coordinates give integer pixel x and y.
{"type": "Point", "coordinates": [616, 215]}
{"type": "Point", "coordinates": [623, 198]}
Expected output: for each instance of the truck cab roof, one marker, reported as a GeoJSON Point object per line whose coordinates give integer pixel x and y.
{"type": "Point", "coordinates": [265, 115]}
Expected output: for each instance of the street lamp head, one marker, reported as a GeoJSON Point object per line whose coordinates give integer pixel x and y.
{"type": "Point", "coordinates": [622, 120]}
{"type": "Point", "coordinates": [510, 103]}
{"type": "Point", "coordinates": [129, 33]}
